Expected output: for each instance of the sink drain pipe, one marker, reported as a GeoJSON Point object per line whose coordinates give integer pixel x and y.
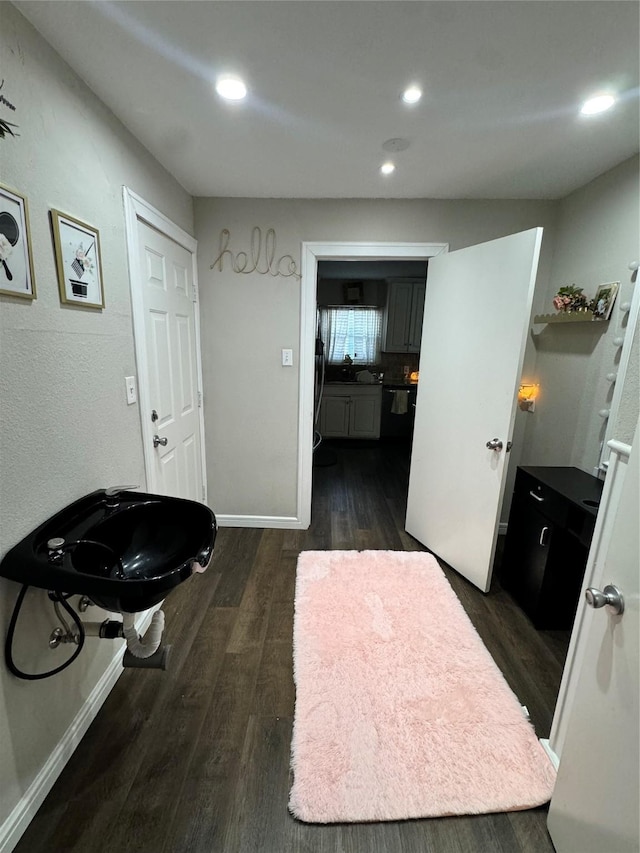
{"type": "Point", "coordinates": [141, 652]}
{"type": "Point", "coordinates": [145, 651]}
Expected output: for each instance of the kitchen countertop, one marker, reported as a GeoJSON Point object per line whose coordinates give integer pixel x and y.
{"type": "Point", "coordinates": [394, 385]}
{"type": "Point", "coordinates": [401, 385]}
{"type": "Point", "coordinates": [338, 382]}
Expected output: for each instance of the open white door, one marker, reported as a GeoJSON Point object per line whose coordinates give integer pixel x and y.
{"type": "Point", "coordinates": [477, 310]}
{"type": "Point", "coordinates": [594, 807]}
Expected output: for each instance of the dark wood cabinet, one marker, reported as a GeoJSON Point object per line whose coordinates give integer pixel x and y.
{"type": "Point", "coordinates": [551, 523]}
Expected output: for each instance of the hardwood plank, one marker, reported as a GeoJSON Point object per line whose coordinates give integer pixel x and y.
{"type": "Point", "coordinates": [233, 556]}
{"type": "Point", "coordinates": [167, 746]}
{"type": "Point", "coordinates": [206, 798]}
{"type": "Point", "coordinates": [274, 692]}
{"type": "Point", "coordinates": [258, 820]}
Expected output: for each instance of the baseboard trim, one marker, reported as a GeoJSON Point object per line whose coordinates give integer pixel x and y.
{"type": "Point", "coordinates": [21, 816]}
{"type": "Point", "coordinates": [283, 521]}
{"type": "Point", "coordinates": [275, 521]}
{"type": "Point", "coordinates": [544, 743]}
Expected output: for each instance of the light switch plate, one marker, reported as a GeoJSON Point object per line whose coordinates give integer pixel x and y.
{"type": "Point", "coordinates": [287, 358]}
{"type": "Point", "coordinates": [132, 394]}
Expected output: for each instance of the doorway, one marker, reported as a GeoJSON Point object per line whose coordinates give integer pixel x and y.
{"type": "Point", "coordinates": [312, 254]}
{"type": "Point", "coordinates": [369, 331]}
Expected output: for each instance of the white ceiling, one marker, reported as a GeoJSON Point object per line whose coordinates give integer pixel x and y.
{"type": "Point", "coordinates": [503, 83]}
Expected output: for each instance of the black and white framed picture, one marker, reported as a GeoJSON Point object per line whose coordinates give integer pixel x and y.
{"type": "Point", "coordinates": [78, 260]}
{"type": "Point", "coordinates": [16, 263]}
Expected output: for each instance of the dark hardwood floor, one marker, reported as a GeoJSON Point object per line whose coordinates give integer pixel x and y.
{"type": "Point", "coordinates": [197, 758]}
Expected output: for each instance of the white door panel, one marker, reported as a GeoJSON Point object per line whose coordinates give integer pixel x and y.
{"type": "Point", "coordinates": [594, 807]}
{"type": "Point", "coordinates": [169, 313]}
{"type": "Point", "coordinates": [477, 310]}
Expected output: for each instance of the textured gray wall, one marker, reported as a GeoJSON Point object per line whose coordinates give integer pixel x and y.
{"type": "Point", "coordinates": [598, 235]}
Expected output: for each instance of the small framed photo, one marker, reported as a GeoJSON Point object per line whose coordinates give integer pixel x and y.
{"type": "Point", "coordinates": [604, 299]}
{"type": "Point", "coordinates": [353, 293]}
{"type": "Point", "coordinates": [78, 260]}
{"type": "Point", "coordinates": [16, 263]}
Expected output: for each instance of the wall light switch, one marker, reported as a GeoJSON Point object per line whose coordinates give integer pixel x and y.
{"type": "Point", "coordinates": [287, 358]}
{"type": "Point", "coordinates": [132, 394]}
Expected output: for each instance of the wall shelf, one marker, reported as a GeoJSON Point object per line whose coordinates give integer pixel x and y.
{"type": "Point", "coordinates": [568, 317]}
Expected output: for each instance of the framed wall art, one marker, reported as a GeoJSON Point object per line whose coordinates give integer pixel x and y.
{"type": "Point", "coordinates": [604, 299]}
{"type": "Point", "coordinates": [16, 263]}
{"type": "Point", "coordinates": [78, 260]}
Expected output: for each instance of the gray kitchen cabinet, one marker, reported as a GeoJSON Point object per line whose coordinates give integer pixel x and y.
{"type": "Point", "coordinates": [349, 410]}
{"type": "Point", "coordinates": [403, 317]}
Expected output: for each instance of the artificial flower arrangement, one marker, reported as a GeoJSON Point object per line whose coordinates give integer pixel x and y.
{"type": "Point", "coordinates": [571, 298]}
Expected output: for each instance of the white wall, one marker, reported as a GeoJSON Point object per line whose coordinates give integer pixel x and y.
{"type": "Point", "coordinates": [64, 424]}
{"type": "Point", "coordinates": [598, 235]}
{"type": "Point", "coordinates": [250, 401]}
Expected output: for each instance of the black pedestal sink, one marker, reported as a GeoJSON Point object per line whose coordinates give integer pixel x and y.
{"type": "Point", "coordinates": [125, 551]}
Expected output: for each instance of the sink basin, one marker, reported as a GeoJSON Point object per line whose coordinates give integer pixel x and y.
{"type": "Point", "coordinates": [124, 552]}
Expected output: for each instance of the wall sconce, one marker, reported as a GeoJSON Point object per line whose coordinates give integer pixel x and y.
{"type": "Point", "coordinates": [527, 397]}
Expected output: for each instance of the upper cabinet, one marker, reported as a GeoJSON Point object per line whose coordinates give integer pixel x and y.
{"type": "Point", "coordinates": [403, 317]}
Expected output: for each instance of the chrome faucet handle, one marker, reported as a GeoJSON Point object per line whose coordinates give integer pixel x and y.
{"type": "Point", "coordinates": [112, 491]}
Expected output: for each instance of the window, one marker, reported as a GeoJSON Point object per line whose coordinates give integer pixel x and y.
{"type": "Point", "coordinates": [352, 331]}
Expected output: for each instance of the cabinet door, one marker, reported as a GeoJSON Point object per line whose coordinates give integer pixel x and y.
{"type": "Point", "coordinates": [417, 315]}
{"type": "Point", "coordinates": [526, 556]}
{"type": "Point", "coordinates": [334, 417]}
{"type": "Point", "coordinates": [398, 316]}
{"type": "Point", "coordinates": [364, 420]}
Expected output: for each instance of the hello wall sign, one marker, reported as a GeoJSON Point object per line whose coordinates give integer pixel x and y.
{"type": "Point", "coordinates": [260, 259]}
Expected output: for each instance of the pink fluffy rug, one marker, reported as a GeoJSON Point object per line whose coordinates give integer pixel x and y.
{"type": "Point", "coordinates": [400, 711]}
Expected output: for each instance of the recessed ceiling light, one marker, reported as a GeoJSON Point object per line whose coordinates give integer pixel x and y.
{"type": "Point", "coordinates": [412, 95]}
{"type": "Point", "coordinates": [597, 104]}
{"type": "Point", "coordinates": [387, 168]}
{"type": "Point", "coordinates": [231, 88]}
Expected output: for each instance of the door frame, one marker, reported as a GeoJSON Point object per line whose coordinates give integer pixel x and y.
{"type": "Point", "coordinates": [312, 252]}
{"type": "Point", "coordinates": [137, 210]}
{"type": "Point", "coordinates": [593, 576]}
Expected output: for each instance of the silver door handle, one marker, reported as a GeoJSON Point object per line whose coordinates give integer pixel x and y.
{"type": "Point", "coordinates": [537, 497]}
{"type": "Point", "coordinates": [157, 440]}
{"type": "Point", "coordinates": [610, 597]}
{"type": "Point", "coordinates": [543, 536]}
{"type": "Point", "coordinates": [494, 444]}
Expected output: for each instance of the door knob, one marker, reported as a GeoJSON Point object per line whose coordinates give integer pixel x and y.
{"type": "Point", "coordinates": [157, 440]}
{"type": "Point", "coordinates": [494, 444]}
{"type": "Point", "coordinates": [609, 597]}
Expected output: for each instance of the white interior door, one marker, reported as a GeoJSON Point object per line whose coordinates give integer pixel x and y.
{"type": "Point", "coordinates": [171, 419]}
{"type": "Point", "coordinates": [594, 807]}
{"type": "Point", "coordinates": [477, 310]}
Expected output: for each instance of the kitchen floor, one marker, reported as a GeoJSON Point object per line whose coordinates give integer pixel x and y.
{"type": "Point", "coordinates": [197, 758]}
